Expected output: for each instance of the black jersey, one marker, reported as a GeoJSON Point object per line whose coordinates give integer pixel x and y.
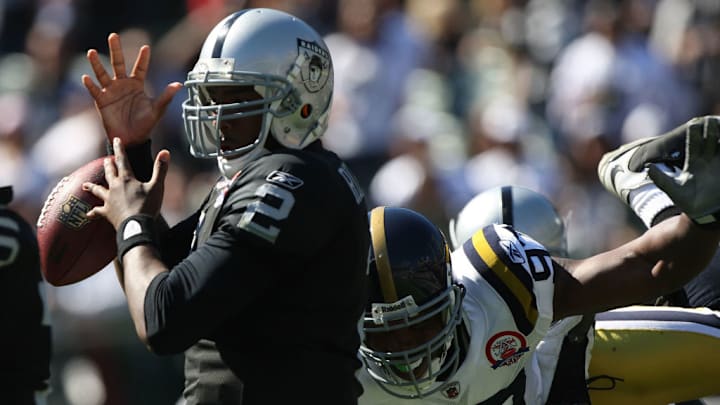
{"type": "Point", "coordinates": [25, 334]}
{"type": "Point", "coordinates": [268, 302]}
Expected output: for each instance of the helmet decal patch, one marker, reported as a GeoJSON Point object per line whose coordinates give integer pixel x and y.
{"type": "Point", "coordinates": [314, 65]}
{"type": "Point", "coordinates": [505, 348]}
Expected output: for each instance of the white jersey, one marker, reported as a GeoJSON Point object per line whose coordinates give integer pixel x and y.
{"type": "Point", "coordinates": [508, 309]}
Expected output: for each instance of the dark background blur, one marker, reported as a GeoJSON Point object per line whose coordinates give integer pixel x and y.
{"type": "Point", "coordinates": [434, 102]}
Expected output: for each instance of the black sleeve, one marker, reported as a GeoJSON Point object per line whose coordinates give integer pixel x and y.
{"type": "Point", "coordinates": [175, 242]}
{"type": "Point", "coordinates": [203, 290]}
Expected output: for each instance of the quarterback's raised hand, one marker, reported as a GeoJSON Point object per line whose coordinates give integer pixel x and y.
{"type": "Point", "coordinates": [127, 111]}
{"type": "Point", "coordinates": [695, 187]}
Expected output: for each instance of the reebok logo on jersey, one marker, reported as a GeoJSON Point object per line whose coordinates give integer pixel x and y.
{"type": "Point", "coordinates": [286, 180]}
{"type": "Point", "coordinates": [512, 251]}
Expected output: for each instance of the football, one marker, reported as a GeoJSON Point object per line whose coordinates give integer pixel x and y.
{"type": "Point", "coordinates": [73, 247]}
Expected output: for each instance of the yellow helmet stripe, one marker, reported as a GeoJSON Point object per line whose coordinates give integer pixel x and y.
{"type": "Point", "coordinates": [382, 261]}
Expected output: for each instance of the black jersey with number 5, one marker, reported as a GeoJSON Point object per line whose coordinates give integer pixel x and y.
{"type": "Point", "coordinates": [25, 331]}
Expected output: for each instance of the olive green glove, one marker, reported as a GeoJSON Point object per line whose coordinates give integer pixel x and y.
{"type": "Point", "coordinates": [694, 187]}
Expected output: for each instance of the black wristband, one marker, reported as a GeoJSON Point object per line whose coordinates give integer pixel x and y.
{"type": "Point", "coordinates": [140, 158]}
{"type": "Point", "coordinates": [710, 221]}
{"type": "Point", "coordinates": [666, 213]}
{"type": "Point", "coordinates": [135, 230]}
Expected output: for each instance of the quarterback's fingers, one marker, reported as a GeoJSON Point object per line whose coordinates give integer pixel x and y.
{"type": "Point", "coordinates": [123, 168]}
{"type": "Point", "coordinates": [96, 190]}
{"type": "Point", "coordinates": [96, 212]}
{"type": "Point", "coordinates": [140, 68]}
{"type": "Point", "coordinates": [100, 73]}
{"type": "Point", "coordinates": [161, 103]}
{"type": "Point", "coordinates": [160, 170]}
{"type": "Point", "coordinates": [92, 88]}
{"type": "Point", "coordinates": [110, 169]}
{"type": "Point", "coordinates": [117, 59]}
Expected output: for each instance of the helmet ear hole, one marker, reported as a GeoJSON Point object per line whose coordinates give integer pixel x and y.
{"type": "Point", "coordinates": [305, 111]}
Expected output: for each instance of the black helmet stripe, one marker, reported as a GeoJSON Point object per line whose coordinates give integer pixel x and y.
{"type": "Point", "coordinates": [507, 206]}
{"type": "Point", "coordinates": [382, 261]}
{"type": "Point", "coordinates": [220, 40]}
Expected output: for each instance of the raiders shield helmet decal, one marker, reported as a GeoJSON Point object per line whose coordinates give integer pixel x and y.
{"type": "Point", "coordinates": [315, 65]}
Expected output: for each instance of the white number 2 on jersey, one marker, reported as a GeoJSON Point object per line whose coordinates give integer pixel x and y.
{"type": "Point", "coordinates": [261, 207]}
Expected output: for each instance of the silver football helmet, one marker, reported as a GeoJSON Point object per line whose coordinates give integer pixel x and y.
{"type": "Point", "coordinates": [527, 211]}
{"type": "Point", "coordinates": [278, 55]}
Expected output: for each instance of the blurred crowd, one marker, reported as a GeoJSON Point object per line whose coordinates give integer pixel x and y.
{"type": "Point", "coordinates": [434, 102]}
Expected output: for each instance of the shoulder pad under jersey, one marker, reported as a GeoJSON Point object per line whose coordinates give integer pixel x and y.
{"type": "Point", "coordinates": [512, 264]}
